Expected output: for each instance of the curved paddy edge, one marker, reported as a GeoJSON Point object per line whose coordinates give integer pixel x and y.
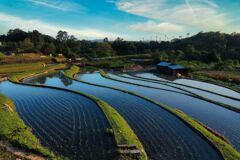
{"type": "Point", "coordinates": [226, 106]}
{"type": "Point", "coordinates": [170, 82]}
{"type": "Point", "coordinates": [225, 149]}
{"type": "Point", "coordinates": [122, 132]}
{"type": "Point", "coordinates": [202, 78]}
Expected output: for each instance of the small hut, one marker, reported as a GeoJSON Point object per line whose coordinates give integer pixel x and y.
{"type": "Point", "coordinates": [171, 69]}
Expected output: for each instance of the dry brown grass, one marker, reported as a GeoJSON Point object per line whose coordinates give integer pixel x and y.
{"type": "Point", "coordinates": [222, 75]}
{"type": "Point", "coordinates": [24, 58]}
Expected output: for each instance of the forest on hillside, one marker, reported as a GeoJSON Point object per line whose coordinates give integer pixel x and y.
{"type": "Point", "coordinates": [205, 47]}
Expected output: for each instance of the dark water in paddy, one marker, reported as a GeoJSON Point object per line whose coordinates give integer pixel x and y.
{"type": "Point", "coordinates": [69, 124]}
{"type": "Point", "coordinates": [162, 134]}
{"type": "Point", "coordinates": [220, 119]}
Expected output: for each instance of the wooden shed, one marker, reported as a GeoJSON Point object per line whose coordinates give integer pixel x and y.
{"type": "Point", "coordinates": [171, 68]}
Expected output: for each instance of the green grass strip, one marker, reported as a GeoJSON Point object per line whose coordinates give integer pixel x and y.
{"type": "Point", "coordinates": [14, 131]}
{"type": "Point", "coordinates": [12, 68]}
{"type": "Point", "coordinates": [227, 150]}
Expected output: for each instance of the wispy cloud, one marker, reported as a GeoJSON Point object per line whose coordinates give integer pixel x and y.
{"type": "Point", "coordinates": [153, 27]}
{"type": "Point", "coordinates": [201, 14]}
{"type": "Point", "coordinates": [83, 33]}
{"type": "Point", "coordinates": [63, 5]}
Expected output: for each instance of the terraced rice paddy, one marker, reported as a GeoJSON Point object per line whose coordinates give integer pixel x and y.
{"type": "Point", "coordinates": [220, 119]}
{"type": "Point", "coordinates": [193, 83]}
{"type": "Point", "coordinates": [208, 86]}
{"type": "Point", "coordinates": [226, 100]}
{"type": "Point", "coordinates": [150, 76]}
{"type": "Point", "coordinates": [67, 123]}
{"type": "Point", "coordinates": [163, 135]}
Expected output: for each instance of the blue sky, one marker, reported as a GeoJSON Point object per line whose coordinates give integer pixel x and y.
{"type": "Point", "coordinates": [130, 19]}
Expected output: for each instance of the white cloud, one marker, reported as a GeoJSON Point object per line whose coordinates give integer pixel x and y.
{"type": "Point", "coordinates": [28, 25]}
{"type": "Point", "coordinates": [201, 14]}
{"type": "Point", "coordinates": [154, 27]}
{"type": "Point", "coordinates": [62, 5]}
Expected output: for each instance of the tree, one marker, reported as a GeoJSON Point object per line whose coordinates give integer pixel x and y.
{"type": "Point", "coordinates": [25, 44]}
{"type": "Point", "coordinates": [105, 40]}
{"type": "Point", "coordinates": [214, 57]}
{"type": "Point", "coordinates": [16, 35]}
{"type": "Point", "coordinates": [74, 45]}
{"type": "Point", "coordinates": [37, 39]}
{"type": "Point", "coordinates": [103, 49]}
{"type": "Point", "coordinates": [49, 49]}
{"type": "Point", "coordinates": [62, 36]}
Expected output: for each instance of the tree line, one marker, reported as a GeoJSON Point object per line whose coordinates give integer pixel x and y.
{"type": "Point", "coordinates": [205, 47]}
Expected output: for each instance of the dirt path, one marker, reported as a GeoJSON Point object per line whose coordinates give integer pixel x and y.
{"type": "Point", "coordinates": [21, 154]}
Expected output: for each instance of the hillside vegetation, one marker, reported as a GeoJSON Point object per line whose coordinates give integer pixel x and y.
{"type": "Point", "coordinates": [205, 47]}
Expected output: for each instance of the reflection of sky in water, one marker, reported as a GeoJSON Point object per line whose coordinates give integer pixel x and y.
{"type": "Point", "coordinates": [222, 120]}
{"type": "Point", "coordinates": [150, 125]}
{"type": "Point", "coordinates": [208, 86]}
{"type": "Point", "coordinates": [68, 123]}
{"type": "Point", "coordinates": [215, 97]}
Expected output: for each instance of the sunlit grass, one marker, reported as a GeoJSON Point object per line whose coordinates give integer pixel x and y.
{"type": "Point", "coordinates": [20, 76]}
{"type": "Point", "coordinates": [20, 67]}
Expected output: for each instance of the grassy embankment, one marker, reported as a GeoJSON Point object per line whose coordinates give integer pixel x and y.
{"type": "Point", "coordinates": [122, 131]}
{"type": "Point", "coordinates": [5, 70]}
{"type": "Point", "coordinates": [226, 149]}
{"type": "Point", "coordinates": [14, 131]}
{"type": "Point", "coordinates": [13, 68]}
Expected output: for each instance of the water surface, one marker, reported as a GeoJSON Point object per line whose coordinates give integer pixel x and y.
{"type": "Point", "coordinates": [69, 124]}
{"type": "Point", "coordinates": [220, 119]}
{"type": "Point", "coordinates": [205, 94]}
{"type": "Point", "coordinates": [163, 135]}
{"type": "Point", "coordinates": [194, 83]}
